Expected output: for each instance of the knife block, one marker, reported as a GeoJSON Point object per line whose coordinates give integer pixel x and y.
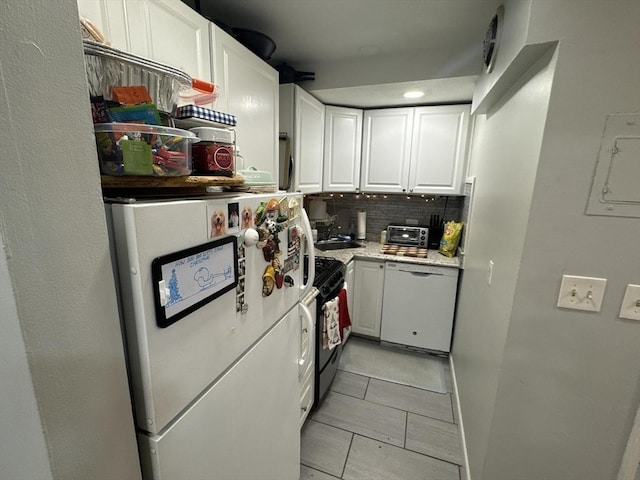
{"type": "Point", "coordinates": [435, 235]}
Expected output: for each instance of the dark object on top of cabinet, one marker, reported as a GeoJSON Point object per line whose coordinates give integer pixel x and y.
{"type": "Point", "coordinates": [257, 42]}
{"type": "Point", "coordinates": [220, 24]}
{"type": "Point", "coordinates": [288, 74]}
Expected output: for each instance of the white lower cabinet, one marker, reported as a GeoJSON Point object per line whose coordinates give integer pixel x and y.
{"type": "Point", "coordinates": [367, 291]}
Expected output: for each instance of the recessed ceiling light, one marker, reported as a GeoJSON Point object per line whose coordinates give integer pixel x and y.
{"type": "Point", "coordinates": [413, 94]}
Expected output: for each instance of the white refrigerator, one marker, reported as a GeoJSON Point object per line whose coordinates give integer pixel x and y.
{"type": "Point", "coordinates": [210, 294]}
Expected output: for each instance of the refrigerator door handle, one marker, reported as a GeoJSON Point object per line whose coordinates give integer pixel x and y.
{"type": "Point", "coordinates": [306, 314]}
{"type": "Point", "coordinates": [306, 227]}
{"type": "Point", "coordinates": [290, 177]}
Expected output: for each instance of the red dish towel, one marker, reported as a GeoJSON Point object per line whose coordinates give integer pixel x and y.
{"type": "Point", "coordinates": [343, 312]}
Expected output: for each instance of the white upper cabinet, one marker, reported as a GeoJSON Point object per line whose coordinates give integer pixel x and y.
{"type": "Point", "coordinates": [438, 149]}
{"type": "Point", "coordinates": [342, 149]}
{"type": "Point", "coordinates": [167, 31]}
{"type": "Point", "coordinates": [302, 118]}
{"type": "Point", "coordinates": [415, 150]}
{"type": "Point", "coordinates": [170, 32]}
{"type": "Point", "coordinates": [386, 150]}
{"type": "Point", "coordinates": [110, 18]}
{"type": "Point", "coordinates": [250, 92]}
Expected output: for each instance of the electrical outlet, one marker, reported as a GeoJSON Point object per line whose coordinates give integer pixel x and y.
{"type": "Point", "coordinates": [581, 293]}
{"type": "Point", "coordinates": [631, 303]}
{"type": "Point", "coordinates": [411, 221]}
{"type": "Point", "coordinates": [490, 272]}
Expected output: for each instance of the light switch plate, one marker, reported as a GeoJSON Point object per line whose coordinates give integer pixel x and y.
{"type": "Point", "coordinates": [581, 293]}
{"type": "Point", "coordinates": [630, 308]}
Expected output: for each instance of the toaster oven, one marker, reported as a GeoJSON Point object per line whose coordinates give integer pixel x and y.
{"type": "Point", "coordinates": [408, 235]}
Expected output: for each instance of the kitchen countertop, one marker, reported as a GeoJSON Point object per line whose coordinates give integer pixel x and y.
{"type": "Point", "coordinates": [372, 251]}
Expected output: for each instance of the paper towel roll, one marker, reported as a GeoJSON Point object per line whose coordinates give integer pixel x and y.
{"type": "Point", "coordinates": [362, 225]}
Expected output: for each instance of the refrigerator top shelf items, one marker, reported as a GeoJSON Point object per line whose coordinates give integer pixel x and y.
{"type": "Point", "coordinates": [192, 182]}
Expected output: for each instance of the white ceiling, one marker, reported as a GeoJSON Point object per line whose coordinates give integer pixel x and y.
{"type": "Point", "coordinates": [385, 45]}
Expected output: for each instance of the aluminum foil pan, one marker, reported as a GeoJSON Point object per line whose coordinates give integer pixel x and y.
{"type": "Point", "coordinates": [108, 67]}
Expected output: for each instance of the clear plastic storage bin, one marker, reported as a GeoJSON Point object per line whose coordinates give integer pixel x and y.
{"type": "Point", "coordinates": [147, 150]}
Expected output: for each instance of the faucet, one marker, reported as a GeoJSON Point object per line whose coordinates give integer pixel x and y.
{"type": "Point", "coordinates": [332, 231]}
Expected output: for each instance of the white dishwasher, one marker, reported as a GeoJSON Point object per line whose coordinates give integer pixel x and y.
{"type": "Point", "coordinates": [418, 305]}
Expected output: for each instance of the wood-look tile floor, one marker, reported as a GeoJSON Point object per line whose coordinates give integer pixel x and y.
{"type": "Point", "coordinates": [370, 429]}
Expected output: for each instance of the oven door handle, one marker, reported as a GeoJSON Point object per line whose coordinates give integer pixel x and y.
{"type": "Point", "coordinates": [306, 227]}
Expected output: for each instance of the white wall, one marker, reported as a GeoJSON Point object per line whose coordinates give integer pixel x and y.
{"type": "Point", "coordinates": [565, 383]}
{"type": "Point", "coordinates": [512, 38]}
{"type": "Point", "coordinates": [20, 427]}
{"type": "Point", "coordinates": [57, 256]}
{"type": "Point", "coordinates": [505, 155]}
{"type": "Point", "coordinates": [381, 69]}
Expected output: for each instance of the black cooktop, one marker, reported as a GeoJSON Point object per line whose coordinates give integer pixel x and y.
{"type": "Point", "coordinates": [329, 275]}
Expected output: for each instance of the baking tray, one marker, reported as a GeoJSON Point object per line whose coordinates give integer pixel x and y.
{"type": "Point", "coordinates": [108, 67]}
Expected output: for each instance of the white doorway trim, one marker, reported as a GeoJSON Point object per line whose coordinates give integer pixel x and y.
{"type": "Point", "coordinates": [631, 458]}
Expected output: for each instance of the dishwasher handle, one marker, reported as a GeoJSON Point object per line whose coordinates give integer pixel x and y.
{"type": "Point", "coordinates": [421, 274]}
{"type": "Point", "coordinates": [422, 271]}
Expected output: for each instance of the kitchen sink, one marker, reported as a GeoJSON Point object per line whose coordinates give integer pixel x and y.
{"type": "Point", "coordinates": [337, 244]}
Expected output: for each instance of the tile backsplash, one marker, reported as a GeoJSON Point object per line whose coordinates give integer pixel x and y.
{"type": "Point", "coordinates": [388, 209]}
